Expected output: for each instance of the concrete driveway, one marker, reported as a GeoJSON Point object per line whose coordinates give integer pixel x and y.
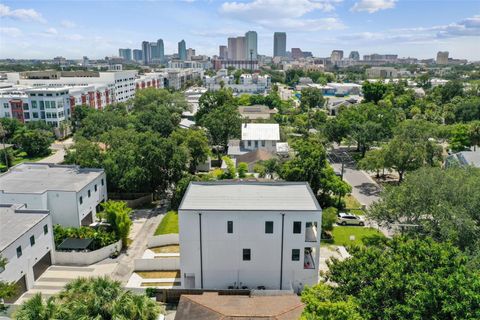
{"type": "Point", "coordinates": [58, 151]}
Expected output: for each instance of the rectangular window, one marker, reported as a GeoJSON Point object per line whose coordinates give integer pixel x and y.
{"type": "Point", "coordinates": [247, 255]}
{"type": "Point", "coordinates": [34, 104]}
{"type": "Point", "coordinates": [42, 105]}
{"type": "Point", "coordinates": [25, 106]}
{"type": "Point", "coordinates": [35, 115]}
{"type": "Point", "coordinates": [89, 193]}
{"type": "Point", "coordinates": [95, 188]}
{"type": "Point", "coordinates": [263, 143]}
{"type": "Point", "coordinates": [47, 104]}
{"type": "Point", "coordinates": [5, 105]}
{"type": "Point", "coordinates": [19, 251]}
{"type": "Point", "coordinates": [249, 143]}
{"type": "Point", "coordinates": [297, 227]}
{"type": "Point", "coordinates": [52, 104]}
{"type": "Point", "coordinates": [295, 254]}
{"type": "Point", "coordinates": [229, 226]}
{"type": "Point", "coordinates": [268, 226]}
{"type": "Point", "coordinates": [256, 144]}
{"type": "Point", "coordinates": [81, 199]}
{"type": "Point", "coordinates": [45, 229]}
{"type": "Point", "coordinates": [102, 182]}
{"type": "Point", "coordinates": [32, 241]}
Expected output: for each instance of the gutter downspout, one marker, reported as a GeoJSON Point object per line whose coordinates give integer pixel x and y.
{"type": "Point", "coordinates": [281, 253]}
{"type": "Point", "coordinates": [201, 256]}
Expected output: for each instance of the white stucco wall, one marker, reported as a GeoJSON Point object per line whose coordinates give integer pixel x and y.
{"type": "Point", "coordinates": [18, 266]}
{"type": "Point", "coordinates": [86, 258]}
{"type": "Point", "coordinates": [222, 252]}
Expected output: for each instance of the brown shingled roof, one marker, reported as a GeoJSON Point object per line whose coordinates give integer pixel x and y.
{"type": "Point", "coordinates": [211, 306]}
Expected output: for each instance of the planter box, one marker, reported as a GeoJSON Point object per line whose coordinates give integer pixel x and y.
{"type": "Point", "coordinates": [74, 258]}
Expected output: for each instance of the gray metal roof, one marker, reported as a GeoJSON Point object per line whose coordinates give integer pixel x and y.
{"type": "Point", "coordinates": [261, 131]}
{"type": "Point", "coordinates": [249, 196]}
{"type": "Point", "coordinates": [471, 158]}
{"type": "Point", "coordinates": [41, 177]}
{"type": "Point", "coordinates": [16, 221]}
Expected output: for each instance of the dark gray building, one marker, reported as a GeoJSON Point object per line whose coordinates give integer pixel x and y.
{"type": "Point", "coordinates": [279, 44]}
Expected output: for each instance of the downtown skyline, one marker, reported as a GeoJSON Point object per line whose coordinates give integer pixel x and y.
{"type": "Point", "coordinates": [44, 29]}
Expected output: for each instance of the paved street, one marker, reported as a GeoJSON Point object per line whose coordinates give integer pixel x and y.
{"type": "Point", "coordinates": [58, 151]}
{"type": "Point", "coordinates": [364, 188]}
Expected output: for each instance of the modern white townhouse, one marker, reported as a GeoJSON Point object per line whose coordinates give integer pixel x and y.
{"type": "Point", "coordinates": [26, 243]}
{"type": "Point", "coordinates": [249, 235]}
{"type": "Point", "coordinates": [71, 194]}
{"type": "Point", "coordinates": [265, 136]}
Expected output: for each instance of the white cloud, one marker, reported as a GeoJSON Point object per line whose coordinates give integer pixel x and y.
{"type": "Point", "coordinates": [51, 31]}
{"type": "Point", "coordinates": [283, 14]}
{"type": "Point", "coordinates": [21, 14]}
{"type": "Point", "coordinates": [372, 6]}
{"type": "Point", "coordinates": [11, 32]}
{"type": "Point", "coordinates": [68, 24]}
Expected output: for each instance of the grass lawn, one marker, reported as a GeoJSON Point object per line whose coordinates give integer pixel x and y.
{"type": "Point", "coordinates": [174, 248]}
{"type": "Point", "coordinates": [341, 234]}
{"type": "Point", "coordinates": [159, 274]}
{"type": "Point", "coordinates": [21, 159]}
{"type": "Point", "coordinates": [169, 224]}
{"type": "Point", "coordinates": [352, 204]}
{"type": "Point", "coordinates": [160, 284]}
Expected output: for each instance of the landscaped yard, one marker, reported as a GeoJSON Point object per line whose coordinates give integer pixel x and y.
{"type": "Point", "coordinates": [160, 284]}
{"type": "Point", "coordinates": [341, 235]}
{"type": "Point", "coordinates": [169, 224]}
{"type": "Point", "coordinates": [173, 248]}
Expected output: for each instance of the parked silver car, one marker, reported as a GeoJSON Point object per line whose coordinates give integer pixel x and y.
{"type": "Point", "coordinates": [350, 219]}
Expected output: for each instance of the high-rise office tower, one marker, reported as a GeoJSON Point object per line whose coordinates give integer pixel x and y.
{"type": "Point", "coordinates": [241, 48]}
{"type": "Point", "coordinates": [160, 50]}
{"type": "Point", "coordinates": [182, 50]}
{"type": "Point", "coordinates": [147, 52]}
{"type": "Point", "coordinates": [279, 44]}
{"type": "Point", "coordinates": [337, 55]}
{"type": "Point", "coordinates": [190, 53]}
{"type": "Point", "coordinates": [251, 45]}
{"type": "Point", "coordinates": [137, 55]}
{"type": "Point", "coordinates": [153, 51]}
{"type": "Point", "coordinates": [442, 57]}
{"type": "Point", "coordinates": [126, 54]}
{"type": "Point", "coordinates": [232, 49]}
{"type": "Point", "coordinates": [354, 55]}
{"type": "Point", "coordinates": [222, 52]}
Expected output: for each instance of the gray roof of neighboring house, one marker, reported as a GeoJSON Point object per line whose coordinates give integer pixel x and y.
{"type": "Point", "coordinates": [261, 131]}
{"type": "Point", "coordinates": [249, 196]}
{"type": "Point", "coordinates": [465, 158]}
{"type": "Point", "coordinates": [41, 177]}
{"type": "Point", "coordinates": [15, 221]}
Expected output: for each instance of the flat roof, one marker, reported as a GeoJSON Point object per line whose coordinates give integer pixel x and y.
{"type": "Point", "coordinates": [249, 196]}
{"type": "Point", "coordinates": [15, 221]}
{"type": "Point", "coordinates": [41, 177]}
{"type": "Point", "coordinates": [261, 131]}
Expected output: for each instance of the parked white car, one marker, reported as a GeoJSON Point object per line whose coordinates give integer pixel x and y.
{"type": "Point", "coordinates": [349, 219]}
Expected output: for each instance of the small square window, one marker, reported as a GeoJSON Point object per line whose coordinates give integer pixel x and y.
{"type": "Point", "coordinates": [295, 254]}
{"type": "Point", "coordinates": [297, 227]}
{"type": "Point", "coordinates": [45, 229]}
{"type": "Point", "coordinates": [19, 251]}
{"type": "Point", "coordinates": [81, 199]}
{"type": "Point", "coordinates": [268, 226]}
{"type": "Point", "coordinates": [229, 226]}
{"type": "Point", "coordinates": [32, 241]}
{"type": "Point", "coordinates": [246, 255]}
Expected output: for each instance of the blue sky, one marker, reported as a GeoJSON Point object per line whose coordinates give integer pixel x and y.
{"type": "Point", "coordinates": [44, 29]}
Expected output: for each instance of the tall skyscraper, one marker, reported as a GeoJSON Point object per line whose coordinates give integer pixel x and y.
{"type": "Point", "coordinates": [232, 49]}
{"type": "Point", "coordinates": [182, 50]}
{"type": "Point", "coordinates": [137, 55]}
{"type": "Point", "coordinates": [442, 57]}
{"type": "Point", "coordinates": [160, 50]}
{"type": "Point", "coordinates": [222, 52]}
{"type": "Point", "coordinates": [126, 54]}
{"type": "Point", "coordinates": [337, 55]}
{"type": "Point", "coordinates": [190, 53]}
{"type": "Point", "coordinates": [251, 45]}
{"type": "Point", "coordinates": [279, 44]}
{"type": "Point", "coordinates": [241, 48]}
{"type": "Point", "coordinates": [354, 55]}
{"type": "Point", "coordinates": [147, 52]}
{"type": "Point", "coordinates": [153, 51]}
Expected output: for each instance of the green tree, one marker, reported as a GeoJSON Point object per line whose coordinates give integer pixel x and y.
{"type": "Point", "coordinates": [117, 214]}
{"type": "Point", "coordinates": [374, 91]}
{"type": "Point", "coordinates": [321, 304]}
{"type": "Point", "coordinates": [196, 142]}
{"type": "Point", "coordinates": [230, 173]}
{"type": "Point", "coordinates": [404, 155]}
{"type": "Point", "coordinates": [242, 169]}
{"type": "Point", "coordinates": [223, 123]}
{"type": "Point", "coordinates": [460, 137]}
{"type": "Point", "coordinates": [38, 308]}
{"type": "Point", "coordinates": [474, 134]}
{"type": "Point", "coordinates": [442, 203]}
{"type": "Point", "coordinates": [7, 289]}
{"type": "Point", "coordinates": [410, 279]}
{"type": "Point", "coordinates": [329, 217]}
{"type": "Point", "coordinates": [85, 154]}
{"type": "Point", "coordinates": [311, 98]}
{"type": "Point", "coordinates": [212, 100]}
{"type": "Point", "coordinates": [374, 160]}
{"type": "Point", "coordinates": [36, 143]}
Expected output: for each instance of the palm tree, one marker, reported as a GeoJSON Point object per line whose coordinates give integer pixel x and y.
{"type": "Point", "coordinates": [91, 299]}
{"type": "Point", "coordinates": [37, 308]}
{"type": "Point", "coordinates": [475, 134]}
